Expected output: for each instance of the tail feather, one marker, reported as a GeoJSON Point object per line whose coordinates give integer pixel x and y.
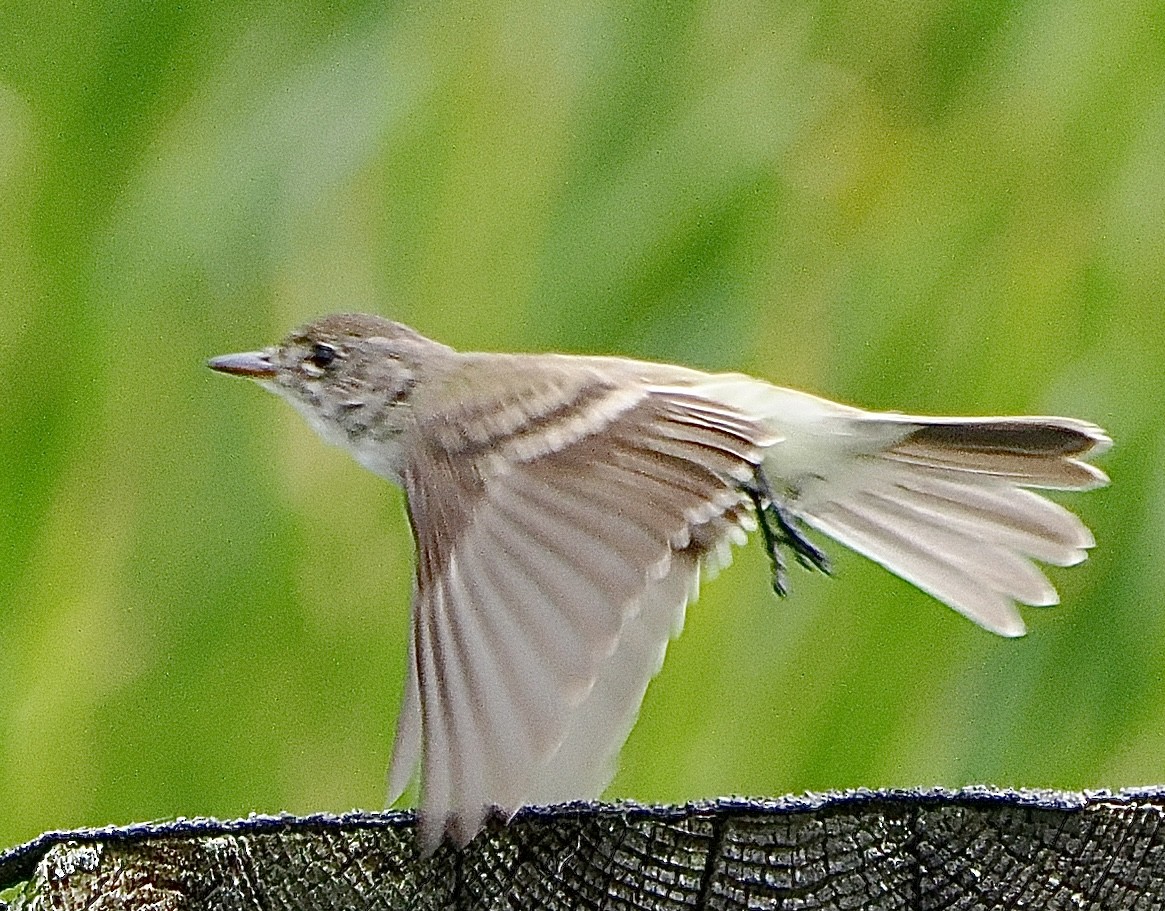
{"type": "Point", "coordinates": [997, 565]}
{"type": "Point", "coordinates": [1020, 519]}
{"type": "Point", "coordinates": [906, 553]}
{"type": "Point", "coordinates": [1031, 452]}
{"type": "Point", "coordinates": [942, 503]}
{"type": "Point", "coordinates": [1022, 435]}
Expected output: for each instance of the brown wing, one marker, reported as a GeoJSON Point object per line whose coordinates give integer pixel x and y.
{"type": "Point", "coordinates": [549, 580]}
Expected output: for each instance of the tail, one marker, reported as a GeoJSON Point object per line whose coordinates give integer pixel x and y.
{"type": "Point", "coordinates": [942, 502]}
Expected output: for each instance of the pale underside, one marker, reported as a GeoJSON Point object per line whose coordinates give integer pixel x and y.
{"type": "Point", "coordinates": [562, 523]}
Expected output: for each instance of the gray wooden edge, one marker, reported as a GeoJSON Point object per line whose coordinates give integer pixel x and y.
{"type": "Point", "coordinates": [977, 847]}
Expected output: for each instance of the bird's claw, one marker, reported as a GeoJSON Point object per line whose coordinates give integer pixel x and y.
{"type": "Point", "coordinates": [781, 528]}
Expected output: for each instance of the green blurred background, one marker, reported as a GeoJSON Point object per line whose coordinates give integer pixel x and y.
{"type": "Point", "coordinates": [935, 207]}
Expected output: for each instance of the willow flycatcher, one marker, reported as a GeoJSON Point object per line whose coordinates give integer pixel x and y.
{"type": "Point", "coordinates": [564, 507]}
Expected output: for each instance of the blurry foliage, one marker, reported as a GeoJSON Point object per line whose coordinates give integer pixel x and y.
{"type": "Point", "coordinates": [936, 206]}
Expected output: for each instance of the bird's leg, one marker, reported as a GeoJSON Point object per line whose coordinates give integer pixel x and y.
{"type": "Point", "coordinates": [772, 540]}
{"type": "Point", "coordinates": [808, 554]}
{"type": "Point", "coordinates": [781, 528]}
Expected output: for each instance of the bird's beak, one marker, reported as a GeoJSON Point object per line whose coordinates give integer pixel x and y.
{"type": "Point", "coordinates": [254, 364]}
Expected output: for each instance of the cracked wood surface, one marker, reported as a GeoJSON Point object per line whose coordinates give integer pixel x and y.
{"type": "Point", "coordinates": [974, 848]}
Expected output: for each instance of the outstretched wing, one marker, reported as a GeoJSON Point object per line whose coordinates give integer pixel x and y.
{"type": "Point", "coordinates": [557, 550]}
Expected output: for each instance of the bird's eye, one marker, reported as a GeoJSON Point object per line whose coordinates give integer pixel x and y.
{"type": "Point", "coordinates": [322, 356]}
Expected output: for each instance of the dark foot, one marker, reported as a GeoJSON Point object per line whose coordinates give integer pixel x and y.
{"type": "Point", "coordinates": [781, 528]}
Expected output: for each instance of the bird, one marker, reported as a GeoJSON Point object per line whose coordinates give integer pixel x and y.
{"type": "Point", "coordinates": [565, 506]}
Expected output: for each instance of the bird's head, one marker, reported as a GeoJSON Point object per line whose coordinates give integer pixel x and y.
{"type": "Point", "coordinates": [350, 375]}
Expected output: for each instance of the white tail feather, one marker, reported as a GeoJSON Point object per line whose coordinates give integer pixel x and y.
{"type": "Point", "coordinates": [939, 501]}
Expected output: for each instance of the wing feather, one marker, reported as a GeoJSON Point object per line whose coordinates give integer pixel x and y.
{"type": "Point", "coordinates": [525, 709]}
{"type": "Point", "coordinates": [544, 606]}
{"type": "Point", "coordinates": [681, 477]}
{"type": "Point", "coordinates": [559, 648]}
{"type": "Point", "coordinates": [462, 680]}
{"type": "Point", "coordinates": [572, 588]}
{"type": "Point", "coordinates": [437, 758]}
{"type": "Point", "coordinates": [515, 713]}
{"type": "Point", "coordinates": [593, 508]}
{"type": "Point", "coordinates": [406, 745]}
{"type": "Point", "coordinates": [585, 762]}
